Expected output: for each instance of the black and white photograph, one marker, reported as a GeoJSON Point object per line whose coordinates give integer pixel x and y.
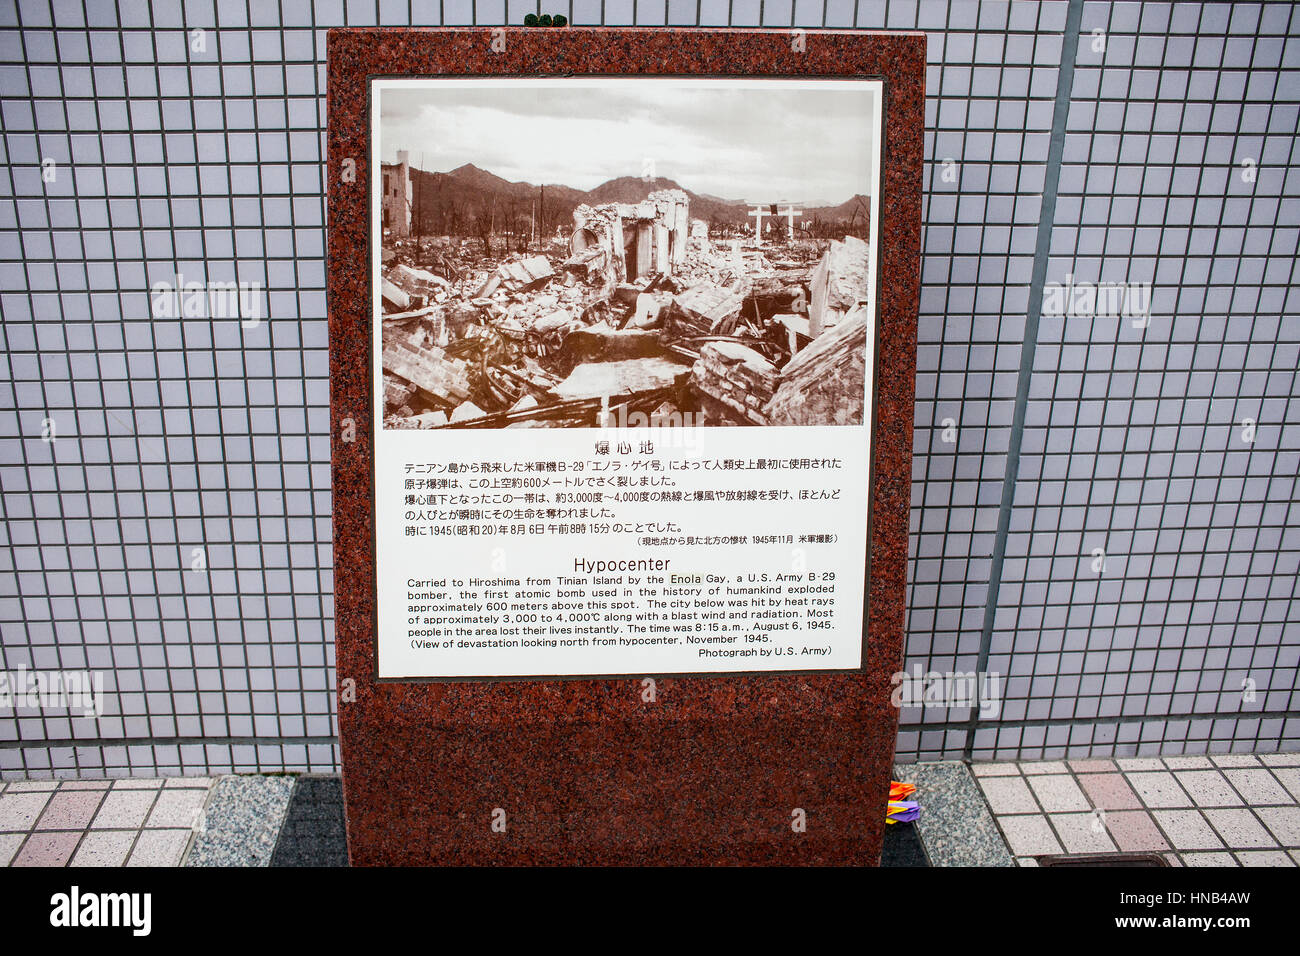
{"type": "Point", "coordinates": [624, 252]}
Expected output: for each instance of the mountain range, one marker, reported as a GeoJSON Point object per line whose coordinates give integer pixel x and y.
{"type": "Point", "coordinates": [468, 198]}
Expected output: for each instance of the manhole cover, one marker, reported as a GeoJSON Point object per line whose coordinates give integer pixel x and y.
{"type": "Point", "coordinates": [1105, 859]}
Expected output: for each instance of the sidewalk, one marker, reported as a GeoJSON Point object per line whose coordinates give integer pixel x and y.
{"type": "Point", "coordinates": [1225, 810]}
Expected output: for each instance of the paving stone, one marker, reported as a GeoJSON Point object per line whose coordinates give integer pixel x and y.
{"type": "Point", "coordinates": [1289, 777]}
{"type": "Point", "coordinates": [1082, 833]}
{"type": "Point", "coordinates": [20, 810]}
{"type": "Point", "coordinates": [995, 770]}
{"type": "Point", "coordinates": [9, 844]}
{"type": "Point", "coordinates": [1188, 763]}
{"type": "Point", "coordinates": [1029, 768]}
{"type": "Point", "coordinates": [178, 808]}
{"type": "Point", "coordinates": [1134, 831]}
{"type": "Point", "coordinates": [1140, 763]}
{"type": "Point", "coordinates": [1058, 793]}
{"type": "Point", "coordinates": [1187, 830]}
{"type": "Point", "coordinates": [1029, 835]}
{"type": "Point", "coordinates": [1109, 791]}
{"type": "Point", "coordinates": [1235, 760]}
{"type": "Point", "coordinates": [1092, 765]}
{"type": "Point", "coordinates": [47, 849]}
{"type": "Point", "coordinates": [1208, 859]}
{"type": "Point", "coordinates": [1239, 829]}
{"type": "Point", "coordinates": [1008, 795]}
{"type": "Point", "coordinates": [104, 848]}
{"type": "Point", "coordinates": [1208, 788]}
{"type": "Point", "coordinates": [70, 810]}
{"type": "Point", "coordinates": [1283, 823]}
{"type": "Point", "coordinates": [159, 848]}
{"type": "Point", "coordinates": [1280, 760]}
{"type": "Point", "coordinates": [1159, 789]}
{"type": "Point", "coordinates": [1264, 858]}
{"type": "Point", "coordinates": [1258, 786]}
{"type": "Point", "coordinates": [124, 809]}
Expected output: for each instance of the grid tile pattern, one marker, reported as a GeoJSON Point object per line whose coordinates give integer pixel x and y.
{"type": "Point", "coordinates": [175, 534]}
{"type": "Point", "coordinates": [1153, 548]}
{"type": "Point", "coordinates": [1234, 810]}
{"type": "Point", "coordinates": [131, 822]}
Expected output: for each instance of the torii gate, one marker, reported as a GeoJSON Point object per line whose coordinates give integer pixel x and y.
{"type": "Point", "coordinates": [761, 209]}
{"type": "Point", "coordinates": [790, 212]}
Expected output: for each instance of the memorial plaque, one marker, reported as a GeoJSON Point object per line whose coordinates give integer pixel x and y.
{"type": "Point", "coordinates": [622, 330]}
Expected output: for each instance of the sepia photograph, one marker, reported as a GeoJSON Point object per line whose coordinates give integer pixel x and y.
{"type": "Point", "coordinates": [582, 253]}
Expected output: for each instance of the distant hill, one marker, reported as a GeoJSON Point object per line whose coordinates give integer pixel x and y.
{"type": "Point", "coordinates": [630, 189]}
{"type": "Point", "coordinates": [481, 178]}
{"type": "Point", "coordinates": [468, 200]}
{"type": "Point", "coordinates": [856, 209]}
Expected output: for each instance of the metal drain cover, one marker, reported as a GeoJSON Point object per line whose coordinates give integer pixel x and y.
{"type": "Point", "coordinates": [1105, 859]}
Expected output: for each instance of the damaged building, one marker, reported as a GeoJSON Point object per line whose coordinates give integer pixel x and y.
{"type": "Point", "coordinates": [395, 204]}
{"type": "Point", "coordinates": [629, 241]}
{"type": "Point", "coordinates": [636, 312]}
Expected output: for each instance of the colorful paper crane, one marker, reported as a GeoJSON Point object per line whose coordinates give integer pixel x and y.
{"type": "Point", "coordinates": [898, 809]}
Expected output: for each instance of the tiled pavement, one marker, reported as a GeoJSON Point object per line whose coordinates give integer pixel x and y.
{"type": "Point", "coordinates": [128, 822]}
{"type": "Point", "coordinates": [1221, 810]}
{"type": "Point", "coordinates": [1225, 810]}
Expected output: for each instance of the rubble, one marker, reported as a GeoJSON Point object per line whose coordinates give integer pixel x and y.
{"type": "Point", "coordinates": [427, 420]}
{"type": "Point", "coordinates": [597, 379]}
{"type": "Point", "coordinates": [737, 377]}
{"type": "Point", "coordinates": [704, 310]}
{"type": "Point", "coordinates": [418, 282]}
{"type": "Point", "coordinates": [393, 296]}
{"type": "Point", "coordinates": [825, 383]}
{"type": "Point", "coordinates": [517, 276]}
{"type": "Point", "coordinates": [839, 283]}
{"type": "Point", "coordinates": [626, 241]}
{"type": "Point", "coordinates": [445, 380]}
{"type": "Point", "coordinates": [465, 412]}
{"type": "Point", "coordinates": [699, 238]}
{"type": "Point", "coordinates": [637, 312]}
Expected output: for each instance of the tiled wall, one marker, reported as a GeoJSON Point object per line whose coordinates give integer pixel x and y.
{"type": "Point", "coordinates": [137, 149]}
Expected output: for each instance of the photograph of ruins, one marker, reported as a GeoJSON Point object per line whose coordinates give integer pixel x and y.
{"type": "Point", "coordinates": [624, 253]}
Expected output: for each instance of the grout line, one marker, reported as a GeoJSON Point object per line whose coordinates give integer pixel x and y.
{"type": "Point", "coordinates": [85, 830]}
{"type": "Point", "coordinates": [144, 823]}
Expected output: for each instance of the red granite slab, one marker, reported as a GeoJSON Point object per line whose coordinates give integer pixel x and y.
{"type": "Point", "coordinates": [584, 770]}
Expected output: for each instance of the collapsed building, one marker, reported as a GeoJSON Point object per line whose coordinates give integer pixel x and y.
{"type": "Point", "coordinates": [638, 313]}
{"type": "Point", "coordinates": [628, 241]}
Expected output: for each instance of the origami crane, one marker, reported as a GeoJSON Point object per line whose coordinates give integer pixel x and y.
{"type": "Point", "coordinates": [898, 809]}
